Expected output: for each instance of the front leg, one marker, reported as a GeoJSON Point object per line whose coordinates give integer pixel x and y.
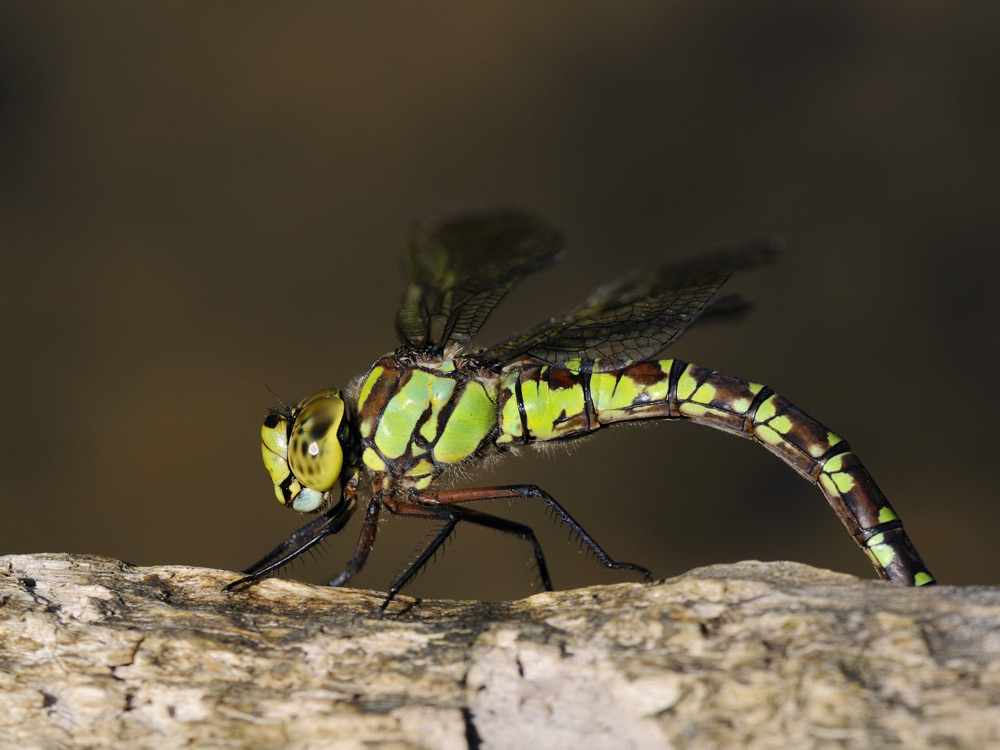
{"type": "Point", "coordinates": [299, 542]}
{"type": "Point", "coordinates": [366, 540]}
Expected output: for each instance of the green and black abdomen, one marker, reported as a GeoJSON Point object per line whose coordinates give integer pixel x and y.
{"type": "Point", "coordinates": [546, 403]}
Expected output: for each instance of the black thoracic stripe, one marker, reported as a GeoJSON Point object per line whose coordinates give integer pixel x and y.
{"type": "Point", "coordinates": [520, 409]}
{"type": "Point", "coordinates": [417, 437]}
{"type": "Point", "coordinates": [676, 370]}
{"type": "Point", "coordinates": [765, 393]}
{"type": "Point", "coordinates": [384, 396]}
{"type": "Point", "coordinates": [446, 411]}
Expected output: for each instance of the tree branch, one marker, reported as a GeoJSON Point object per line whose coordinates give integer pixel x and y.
{"type": "Point", "coordinates": [94, 652]}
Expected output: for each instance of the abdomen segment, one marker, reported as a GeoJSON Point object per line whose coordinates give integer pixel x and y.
{"type": "Point", "coordinates": [552, 403]}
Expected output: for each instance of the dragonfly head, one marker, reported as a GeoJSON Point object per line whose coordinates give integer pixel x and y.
{"type": "Point", "coordinates": [303, 450]}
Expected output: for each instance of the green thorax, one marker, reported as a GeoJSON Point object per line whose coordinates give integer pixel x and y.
{"type": "Point", "coordinates": [420, 414]}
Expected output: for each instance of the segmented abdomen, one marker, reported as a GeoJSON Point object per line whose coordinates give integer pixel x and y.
{"type": "Point", "coordinates": [551, 403]}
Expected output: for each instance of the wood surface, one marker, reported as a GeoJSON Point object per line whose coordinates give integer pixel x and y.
{"type": "Point", "coordinates": [98, 653]}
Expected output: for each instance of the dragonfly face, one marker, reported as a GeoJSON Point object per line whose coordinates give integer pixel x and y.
{"type": "Point", "coordinates": [303, 452]}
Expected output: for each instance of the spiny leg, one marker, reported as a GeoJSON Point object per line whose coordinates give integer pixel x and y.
{"type": "Point", "coordinates": [451, 516]}
{"type": "Point", "coordinates": [447, 497]}
{"type": "Point", "coordinates": [299, 542]}
{"type": "Point", "coordinates": [366, 540]}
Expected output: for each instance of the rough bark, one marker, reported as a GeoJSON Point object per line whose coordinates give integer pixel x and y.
{"type": "Point", "coordinates": [97, 653]}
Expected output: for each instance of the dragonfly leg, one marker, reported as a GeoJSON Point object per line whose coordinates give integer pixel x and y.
{"type": "Point", "coordinates": [451, 516]}
{"type": "Point", "coordinates": [299, 542]}
{"type": "Point", "coordinates": [447, 497]}
{"type": "Point", "coordinates": [366, 540]}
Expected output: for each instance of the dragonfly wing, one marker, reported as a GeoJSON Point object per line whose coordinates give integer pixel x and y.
{"type": "Point", "coordinates": [460, 266]}
{"type": "Point", "coordinates": [638, 315]}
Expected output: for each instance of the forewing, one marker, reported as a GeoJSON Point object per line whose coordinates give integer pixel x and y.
{"type": "Point", "coordinates": [636, 316]}
{"type": "Point", "coordinates": [460, 266]}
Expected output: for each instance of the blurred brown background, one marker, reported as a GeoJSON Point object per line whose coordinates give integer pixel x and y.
{"type": "Point", "coordinates": [198, 201]}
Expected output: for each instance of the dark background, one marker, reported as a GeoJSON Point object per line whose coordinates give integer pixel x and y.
{"type": "Point", "coordinates": [198, 201]}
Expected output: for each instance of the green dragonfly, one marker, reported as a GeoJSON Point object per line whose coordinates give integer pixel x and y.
{"type": "Point", "coordinates": [435, 404]}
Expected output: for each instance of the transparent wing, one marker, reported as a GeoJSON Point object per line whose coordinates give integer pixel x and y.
{"type": "Point", "coordinates": [460, 266]}
{"type": "Point", "coordinates": [636, 316]}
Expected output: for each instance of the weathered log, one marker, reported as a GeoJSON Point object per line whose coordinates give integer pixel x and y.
{"type": "Point", "coordinates": [97, 653]}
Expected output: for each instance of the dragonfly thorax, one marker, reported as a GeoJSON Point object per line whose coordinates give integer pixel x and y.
{"type": "Point", "coordinates": [303, 450]}
{"type": "Point", "coordinates": [419, 414]}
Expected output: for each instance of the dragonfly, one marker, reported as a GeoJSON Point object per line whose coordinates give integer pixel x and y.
{"type": "Point", "coordinates": [436, 404]}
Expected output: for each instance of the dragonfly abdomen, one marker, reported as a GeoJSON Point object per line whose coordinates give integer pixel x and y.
{"type": "Point", "coordinates": [546, 403]}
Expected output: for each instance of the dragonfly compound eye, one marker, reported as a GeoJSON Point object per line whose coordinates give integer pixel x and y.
{"type": "Point", "coordinates": [315, 455]}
